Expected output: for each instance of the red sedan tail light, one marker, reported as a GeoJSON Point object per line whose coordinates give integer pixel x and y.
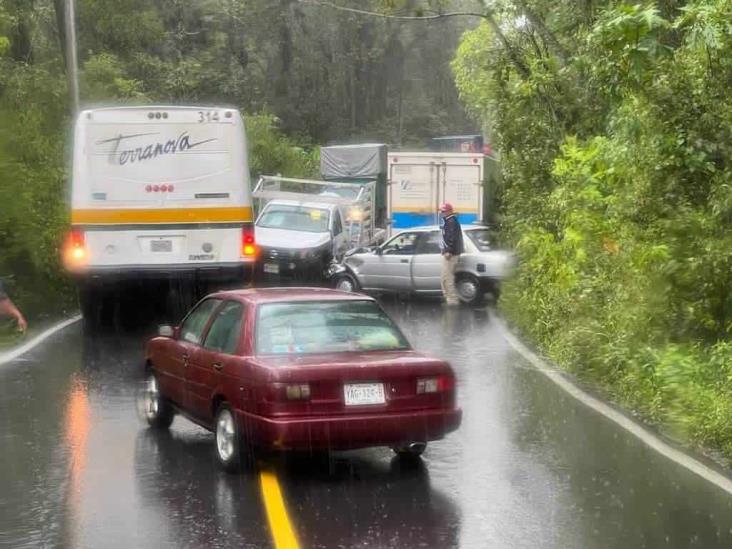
{"type": "Point", "coordinates": [284, 392]}
{"type": "Point", "coordinates": [436, 384]}
{"type": "Point", "coordinates": [300, 391]}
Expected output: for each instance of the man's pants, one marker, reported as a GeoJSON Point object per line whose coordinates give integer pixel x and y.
{"type": "Point", "coordinates": [448, 278]}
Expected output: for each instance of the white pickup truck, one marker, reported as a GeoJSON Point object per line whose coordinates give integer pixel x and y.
{"type": "Point", "coordinates": [305, 224]}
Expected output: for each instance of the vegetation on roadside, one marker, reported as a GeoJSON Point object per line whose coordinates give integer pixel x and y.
{"type": "Point", "coordinates": [614, 121]}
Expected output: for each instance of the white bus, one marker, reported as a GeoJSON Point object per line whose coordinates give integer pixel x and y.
{"type": "Point", "coordinates": [159, 193]}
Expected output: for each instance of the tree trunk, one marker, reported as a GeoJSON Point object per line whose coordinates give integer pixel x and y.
{"type": "Point", "coordinates": [58, 8]}
{"type": "Point", "coordinates": [513, 55]}
{"type": "Point", "coordinates": [542, 29]}
{"type": "Point", "coordinates": [353, 99]}
{"type": "Point", "coordinates": [21, 48]}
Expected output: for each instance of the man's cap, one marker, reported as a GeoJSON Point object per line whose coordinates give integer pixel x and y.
{"type": "Point", "coordinates": [446, 207]}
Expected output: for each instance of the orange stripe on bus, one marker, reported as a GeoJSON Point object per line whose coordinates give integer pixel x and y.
{"type": "Point", "coordinates": [183, 215]}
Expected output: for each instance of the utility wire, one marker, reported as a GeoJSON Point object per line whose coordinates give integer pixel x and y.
{"type": "Point", "coordinates": [390, 16]}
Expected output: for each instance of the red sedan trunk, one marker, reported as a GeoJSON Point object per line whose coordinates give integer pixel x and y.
{"type": "Point", "coordinates": [324, 420]}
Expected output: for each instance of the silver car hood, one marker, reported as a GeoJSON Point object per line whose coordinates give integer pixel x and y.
{"type": "Point", "coordinates": [284, 238]}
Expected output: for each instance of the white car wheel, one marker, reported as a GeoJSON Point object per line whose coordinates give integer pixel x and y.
{"type": "Point", "coordinates": [468, 289]}
{"type": "Point", "coordinates": [346, 283]}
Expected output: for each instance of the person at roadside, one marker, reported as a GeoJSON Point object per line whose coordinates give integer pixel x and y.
{"type": "Point", "coordinates": [452, 247]}
{"type": "Point", "coordinates": [8, 308]}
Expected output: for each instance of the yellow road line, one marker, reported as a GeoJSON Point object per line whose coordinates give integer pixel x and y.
{"type": "Point", "coordinates": [279, 522]}
{"type": "Point", "coordinates": [161, 215]}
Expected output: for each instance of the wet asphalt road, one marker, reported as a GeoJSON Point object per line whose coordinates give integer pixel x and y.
{"type": "Point", "coordinates": [530, 467]}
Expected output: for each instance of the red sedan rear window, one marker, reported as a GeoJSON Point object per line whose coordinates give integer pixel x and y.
{"type": "Point", "coordinates": [325, 327]}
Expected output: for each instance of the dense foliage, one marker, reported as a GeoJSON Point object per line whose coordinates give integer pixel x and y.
{"type": "Point", "coordinates": [305, 74]}
{"type": "Point", "coordinates": [614, 121]}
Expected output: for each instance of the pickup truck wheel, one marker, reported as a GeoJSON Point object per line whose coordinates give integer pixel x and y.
{"type": "Point", "coordinates": [346, 283]}
{"type": "Point", "coordinates": [469, 291]}
{"type": "Point", "coordinates": [231, 451]}
{"type": "Point", "coordinates": [158, 413]}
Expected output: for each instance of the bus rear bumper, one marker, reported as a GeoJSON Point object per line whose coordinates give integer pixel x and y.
{"type": "Point", "coordinates": [219, 272]}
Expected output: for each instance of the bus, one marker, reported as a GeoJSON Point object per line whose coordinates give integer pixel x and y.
{"type": "Point", "coordinates": [159, 194]}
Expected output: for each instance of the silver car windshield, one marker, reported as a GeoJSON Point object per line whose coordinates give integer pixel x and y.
{"type": "Point", "coordinates": [325, 327]}
{"type": "Point", "coordinates": [295, 218]}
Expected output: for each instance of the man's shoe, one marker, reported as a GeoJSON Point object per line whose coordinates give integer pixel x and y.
{"type": "Point", "coordinates": [452, 303]}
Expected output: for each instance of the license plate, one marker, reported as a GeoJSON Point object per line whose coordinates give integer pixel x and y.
{"type": "Point", "coordinates": [272, 268]}
{"type": "Point", "coordinates": [161, 245]}
{"type": "Point", "coordinates": [359, 394]}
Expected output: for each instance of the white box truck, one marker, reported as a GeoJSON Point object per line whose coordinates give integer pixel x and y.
{"type": "Point", "coordinates": [420, 181]}
{"type": "Point", "coordinates": [159, 193]}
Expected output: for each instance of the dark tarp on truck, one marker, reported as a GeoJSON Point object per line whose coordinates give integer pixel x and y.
{"type": "Point", "coordinates": [362, 163]}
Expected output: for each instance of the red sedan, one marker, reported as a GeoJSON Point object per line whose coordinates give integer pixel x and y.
{"type": "Point", "coordinates": [297, 368]}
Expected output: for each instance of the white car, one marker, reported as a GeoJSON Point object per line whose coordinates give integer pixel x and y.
{"type": "Point", "coordinates": [411, 262]}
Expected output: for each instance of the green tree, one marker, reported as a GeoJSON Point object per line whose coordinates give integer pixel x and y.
{"type": "Point", "coordinates": [618, 170]}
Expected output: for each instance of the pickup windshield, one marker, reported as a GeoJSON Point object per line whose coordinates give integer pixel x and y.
{"type": "Point", "coordinates": [325, 327]}
{"type": "Point", "coordinates": [295, 218]}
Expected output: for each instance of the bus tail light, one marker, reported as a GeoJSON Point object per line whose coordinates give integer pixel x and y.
{"type": "Point", "coordinates": [248, 246]}
{"type": "Point", "coordinates": [75, 254]}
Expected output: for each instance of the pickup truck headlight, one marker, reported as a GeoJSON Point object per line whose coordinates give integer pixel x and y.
{"type": "Point", "coordinates": [309, 253]}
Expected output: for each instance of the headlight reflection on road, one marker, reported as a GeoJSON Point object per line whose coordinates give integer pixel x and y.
{"type": "Point", "coordinates": [77, 425]}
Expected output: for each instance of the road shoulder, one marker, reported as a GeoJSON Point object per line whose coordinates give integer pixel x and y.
{"type": "Point", "coordinates": [633, 427]}
{"type": "Point", "coordinates": [8, 355]}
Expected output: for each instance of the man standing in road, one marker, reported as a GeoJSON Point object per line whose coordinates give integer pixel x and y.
{"type": "Point", "coordinates": [452, 247]}
{"type": "Point", "coordinates": [8, 308]}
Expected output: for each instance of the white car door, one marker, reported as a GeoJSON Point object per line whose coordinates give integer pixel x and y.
{"type": "Point", "coordinates": [427, 263]}
{"type": "Point", "coordinates": [391, 267]}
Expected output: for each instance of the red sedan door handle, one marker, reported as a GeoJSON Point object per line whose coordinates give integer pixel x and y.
{"type": "Point", "coordinates": [217, 365]}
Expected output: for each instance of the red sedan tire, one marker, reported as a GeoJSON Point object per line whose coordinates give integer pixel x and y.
{"type": "Point", "coordinates": [157, 411]}
{"type": "Point", "coordinates": [232, 451]}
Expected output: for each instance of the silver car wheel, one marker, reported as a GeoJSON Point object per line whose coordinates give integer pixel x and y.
{"type": "Point", "coordinates": [225, 436]}
{"type": "Point", "coordinates": [151, 399]}
{"type": "Point", "coordinates": [468, 289]}
{"type": "Point", "coordinates": [345, 284]}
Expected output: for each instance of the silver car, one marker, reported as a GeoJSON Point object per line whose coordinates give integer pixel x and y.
{"type": "Point", "coordinates": [411, 262]}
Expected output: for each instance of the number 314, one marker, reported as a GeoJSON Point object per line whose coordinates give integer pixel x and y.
{"type": "Point", "coordinates": [208, 116]}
